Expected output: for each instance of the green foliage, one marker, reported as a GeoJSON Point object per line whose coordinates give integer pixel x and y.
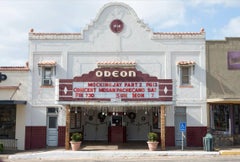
{"type": "Point", "coordinates": [1, 147]}
{"type": "Point", "coordinates": [76, 137]}
{"type": "Point", "coordinates": [152, 137]}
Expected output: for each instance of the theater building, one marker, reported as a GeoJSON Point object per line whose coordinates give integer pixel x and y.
{"type": "Point", "coordinates": [223, 90]}
{"type": "Point", "coordinates": [115, 81]}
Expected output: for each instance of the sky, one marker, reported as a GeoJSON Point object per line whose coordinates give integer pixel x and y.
{"type": "Point", "coordinates": [219, 18]}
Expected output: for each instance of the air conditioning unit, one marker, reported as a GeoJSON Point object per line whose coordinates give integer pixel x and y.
{"type": "Point", "coordinates": [47, 82]}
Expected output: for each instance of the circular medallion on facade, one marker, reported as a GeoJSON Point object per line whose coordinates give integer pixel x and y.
{"type": "Point", "coordinates": [116, 26]}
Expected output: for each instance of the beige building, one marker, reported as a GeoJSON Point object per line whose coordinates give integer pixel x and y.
{"type": "Point", "coordinates": [223, 90]}
{"type": "Point", "coordinates": [13, 106]}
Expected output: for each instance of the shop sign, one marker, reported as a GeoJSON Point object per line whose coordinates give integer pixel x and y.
{"type": "Point", "coordinates": [3, 77]}
{"type": "Point", "coordinates": [234, 60]}
{"type": "Point", "coordinates": [115, 73]}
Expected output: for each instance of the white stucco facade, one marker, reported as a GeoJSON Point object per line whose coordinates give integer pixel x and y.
{"type": "Point", "coordinates": [156, 54]}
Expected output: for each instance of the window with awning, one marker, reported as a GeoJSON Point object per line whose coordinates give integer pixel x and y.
{"type": "Point", "coordinates": [186, 69]}
{"type": "Point", "coordinates": [47, 69]}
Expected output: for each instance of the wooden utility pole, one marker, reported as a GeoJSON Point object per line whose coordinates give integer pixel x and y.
{"type": "Point", "coordinates": [163, 119]}
{"type": "Point", "coordinates": [67, 134]}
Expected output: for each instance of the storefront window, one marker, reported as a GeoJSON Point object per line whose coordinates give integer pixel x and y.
{"type": "Point", "coordinates": [225, 118]}
{"type": "Point", "coordinates": [236, 122]}
{"type": "Point", "coordinates": [7, 121]}
{"type": "Point", "coordinates": [221, 119]}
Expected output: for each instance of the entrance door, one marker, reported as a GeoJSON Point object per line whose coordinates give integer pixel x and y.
{"type": "Point", "coordinates": [52, 130]}
{"type": "Point", "coordinates": [94, 128]}
{"type": "Point", "coordinates": [180, 116]}
{"type": "Point", "coordinates": [138, 128]}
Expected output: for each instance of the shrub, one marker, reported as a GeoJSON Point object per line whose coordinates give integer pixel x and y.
{"type": "Point", "coordinates": [76, 137]}
{"type": "Point", "coordinates": [1, 147]}
{"type": "Point", "coordinates": [152, 137]}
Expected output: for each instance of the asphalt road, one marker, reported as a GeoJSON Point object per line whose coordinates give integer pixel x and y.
{"type": "Point", "coordinates": [235, 158]}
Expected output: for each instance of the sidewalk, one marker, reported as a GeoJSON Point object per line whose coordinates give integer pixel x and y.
{"type": "Point", "coordinates": [114, 151]}
{"type": "Point", "coordinates": [61, 153]}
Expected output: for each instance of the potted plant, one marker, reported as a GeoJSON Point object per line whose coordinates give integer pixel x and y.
{"type": "Point", "coordinates": [152, 141]}
{"type": "Point", "coordinates": [76, 140]}
{"type": "Point", "coordinates": [1, 147]}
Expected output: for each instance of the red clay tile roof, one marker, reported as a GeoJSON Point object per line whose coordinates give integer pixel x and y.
{"type": "Point", "coordinates": [14, 68]}
{"type": "Point", "coordinates": [47, 63]}
{"type": "Point", "coordinates": [181, 33]}
{"type": "Point", "coordinates": [186, 63]}
{"type": "Point", "coordinates": [116, 63]}
{"type": "Point", "coordinates": [76, 36]}
{"type": "Point", "coordinates": [8, 87]}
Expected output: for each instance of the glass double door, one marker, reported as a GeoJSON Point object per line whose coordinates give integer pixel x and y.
{"type": "Point", "coordinates": [97, 129]}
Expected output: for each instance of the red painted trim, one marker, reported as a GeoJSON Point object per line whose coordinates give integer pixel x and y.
{"type": "Point", "coordinates": [28, 131]}
{"type": "Point", "coordinates": [170, 136]}
{"type": "Point", "coordinates": [61, 135]}
{"type": "Point", "coordinates": [35, 137]}
{"type": "Point", "coordinates": [195, 136]}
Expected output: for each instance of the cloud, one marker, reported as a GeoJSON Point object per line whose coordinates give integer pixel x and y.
{"type": "Point", "coordinates": [204, 3]}
{"type": "Point", "coordinates": [70, 16]}
{"type": "Point", "coordinates": [232, 28]}
{"type": "Point", "coordinates": [18, 17]}
{"type": "Point", "coordinates": [161, 14]}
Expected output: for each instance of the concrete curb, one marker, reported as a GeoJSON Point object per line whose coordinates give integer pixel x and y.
{"type": "Point", "coordinates": [229, 152]}
{"type": "Point", "coordinates": [106, 154]}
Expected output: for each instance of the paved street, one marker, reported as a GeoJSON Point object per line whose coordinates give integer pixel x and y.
{"type": "Point", "coordinates": [235, 158]}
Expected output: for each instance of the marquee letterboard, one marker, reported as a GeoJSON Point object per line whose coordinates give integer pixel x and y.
{"type": "Point", "coordinates": [111, 84]}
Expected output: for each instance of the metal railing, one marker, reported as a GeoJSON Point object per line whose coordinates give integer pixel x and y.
{"type": "Point", "coordinates": [9, 144]}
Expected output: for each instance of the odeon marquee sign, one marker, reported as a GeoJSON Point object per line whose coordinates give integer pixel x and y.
{"type": "Point", "coordinates": [111, 84]}
{"type": "Point", "coordinates": [115, 73]}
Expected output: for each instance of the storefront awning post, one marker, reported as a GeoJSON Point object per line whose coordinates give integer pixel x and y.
{"type": "Point", "coordinates": [67, 135]}
{"type": "Point", "coordinates": [163, 147]}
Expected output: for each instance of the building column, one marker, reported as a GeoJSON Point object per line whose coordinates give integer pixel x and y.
{"type": "Point", "coordinates": [67, 135]}
{"type": "Point", "coordinates": [208, 117]}
{"type": "Point", "coordinates": [163, 131]}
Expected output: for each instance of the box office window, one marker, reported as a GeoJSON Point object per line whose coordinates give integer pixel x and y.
{"type": "Point", "coordinates": [7, 121]}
